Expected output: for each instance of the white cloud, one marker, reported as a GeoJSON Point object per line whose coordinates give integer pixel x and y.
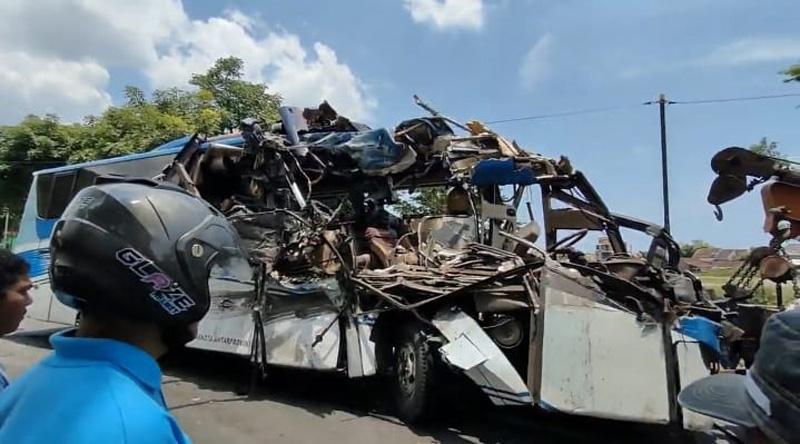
{"type": "Point", "coordinates": [536, 64]}
{"type": "Point", "coordinates": [40, 85]}
{"type": "Point", "coordinates": [157, 38]}
{"type": "Point", "coordinates": [444, 14]}
{"type": "Point", "coordinates": [754, 50]}
{"type": "Point", "coordinates": [333, 82]}
{"type": "Point", "coordinates": [110, 32]}
{"type": "Point", "coordinates": [277, 59]}
{"type": "Point", "coordinates": [242, 19]}
{"type": "Point", "coordinates": [745, 51]}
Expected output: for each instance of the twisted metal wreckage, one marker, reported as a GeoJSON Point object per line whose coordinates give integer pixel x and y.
{"type": "Point", "coordinates": [780, 198]}
{"type": "Point", "coordinates": [343, 284]}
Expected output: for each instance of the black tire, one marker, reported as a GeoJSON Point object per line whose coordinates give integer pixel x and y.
{"type": "Point", "coordinates": [413, 376]}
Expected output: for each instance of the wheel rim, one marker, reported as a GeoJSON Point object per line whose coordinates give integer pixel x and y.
{"type": "Point", "coordinates": [406, 368]}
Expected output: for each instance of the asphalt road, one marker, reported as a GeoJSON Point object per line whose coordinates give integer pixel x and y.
{"type": "Point", "coordinates": [207, 394]}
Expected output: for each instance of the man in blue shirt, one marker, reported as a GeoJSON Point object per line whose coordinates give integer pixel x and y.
{"type": "Point", "coordinates": [14, 287]}
{"type": "Point", "coordinates": [140, 264]}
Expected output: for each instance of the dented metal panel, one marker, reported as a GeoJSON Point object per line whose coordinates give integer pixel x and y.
{"type": "Point", "coordinates": [229, 334]}
{"type": "Point", "coordinates": [360, 350]}
{"type": "Point", "coordinates": [691, 368]}
{"type": "Point", "coordinates": [291, 341]}
{"type": "Point", "coordinates": [473, 351]}
{"type": "Point", "coordinates": [228, 326]}
{"type": "Point", "coordinates": [354, 368]}
{"type": "Point", "coordinates": [369, 363]}
{"type": "Point", "coordinates": [598, 360]}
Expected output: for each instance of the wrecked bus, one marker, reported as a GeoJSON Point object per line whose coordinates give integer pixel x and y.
{"type": "Point", "coordinates": [340, 283]}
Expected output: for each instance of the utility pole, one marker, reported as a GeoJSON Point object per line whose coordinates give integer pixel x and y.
{"type": "Point", "coordinates": [662, 102]}
{"type": "Point", "coordinates": [5, 228]}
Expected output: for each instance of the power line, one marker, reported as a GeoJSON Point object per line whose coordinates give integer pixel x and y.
{"type": "Point", "coordinates": [621, 107]}
{"type": "Point", "coordinates": [735, 99]}
{"type": "Point", "coordinates": [562, 114]}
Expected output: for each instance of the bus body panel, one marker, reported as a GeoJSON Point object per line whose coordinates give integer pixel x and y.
{"type": "Point", "coordinates": [32, 246]}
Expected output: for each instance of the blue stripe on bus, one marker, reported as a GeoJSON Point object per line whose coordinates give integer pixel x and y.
{"type": "Point", "coordinates": [173, 147]}
{"type": "Point", "coordinates": [44, 227]}
{"type": "Point", "coordinates": [38, 261]}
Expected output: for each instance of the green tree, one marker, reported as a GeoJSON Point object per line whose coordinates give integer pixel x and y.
{"type": "Point", "coordinates": [792, 73]}
{"type": "Point", "coordinates": [766, 148]}
{"type": "Point", "coordinates": [139, 124]}
{"type": "Point", "coordinates": [134, 96]}
{"type": "Point", "coordinates": [33, 144]}
{"type": "Point", "coordinates": [196, 107]}
{"type": "Point", "coordinates": [126, 130]}
{"type": "Point", "coordinates": [688, 250]}
{"type": "Point", "coordinates": [236, 98]}
{"type": "Point", "coordinates": [424, 201]}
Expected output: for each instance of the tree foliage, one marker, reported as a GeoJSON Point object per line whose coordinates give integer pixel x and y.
{"type": "Point", "coordinates": [220, 100]}
{"type": "Point", "coordinates": [766, 148]}
{"type": "Point", "coordinates": [792, 73]}
{"type": "Point", "coordinates": [688, 250]}
{"type": "Point", "coordinates": [234, 97]}
{"type": "Point", "coordinates": [423, 201]}
{"type": "Point", "coordinates": [35, 143]}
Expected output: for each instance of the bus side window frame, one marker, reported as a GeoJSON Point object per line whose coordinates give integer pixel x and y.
{"type": "Point", "coordinates": [55, 207]}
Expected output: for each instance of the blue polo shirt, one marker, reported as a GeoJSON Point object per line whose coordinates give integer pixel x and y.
{"type": "Point", "coordinates": [88, 390]}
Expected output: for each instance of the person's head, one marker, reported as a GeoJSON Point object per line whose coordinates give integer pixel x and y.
{"type": "Point", "coordinates": [766, 401]}
{"type": "Point", "coordinates": [141, 262]}
{"type": "Point", "coordinates": [14, 287]}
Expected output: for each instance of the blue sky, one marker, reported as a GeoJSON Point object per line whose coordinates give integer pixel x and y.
{"type": "Point", "coordinates": [472, 59]}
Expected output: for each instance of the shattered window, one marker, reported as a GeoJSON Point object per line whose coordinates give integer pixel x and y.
{"type": "Point", "coordinates": [54, 192]}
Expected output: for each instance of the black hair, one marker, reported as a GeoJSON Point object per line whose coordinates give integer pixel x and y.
{"type": "Point", "coordinates": [12, 268]}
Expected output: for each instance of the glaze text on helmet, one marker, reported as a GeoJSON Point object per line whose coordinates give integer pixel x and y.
{"type": "Point", "coordinates": [165, 291]}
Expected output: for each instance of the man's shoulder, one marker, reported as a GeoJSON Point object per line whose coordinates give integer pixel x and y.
{"type": "Point", "coordinates": [144, 418]}
{"type": "Point", "coordinates": [85, 398]}
{"type": "Point", "coordinates": [151, 425]}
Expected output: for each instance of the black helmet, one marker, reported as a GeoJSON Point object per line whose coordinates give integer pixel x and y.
{"type": "Point", "coordinates": [150, 253]}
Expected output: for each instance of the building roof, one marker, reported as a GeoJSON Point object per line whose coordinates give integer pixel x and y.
{"type": "Point", "coordinates": [705, 253]}
{"type": "Point", "coordinates": [732, 254]}
{"type": "Point", "coordinates": [696, 264]}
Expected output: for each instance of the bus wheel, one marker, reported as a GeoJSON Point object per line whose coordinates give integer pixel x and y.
{"type": "Point", "coordinates": [413, 377]}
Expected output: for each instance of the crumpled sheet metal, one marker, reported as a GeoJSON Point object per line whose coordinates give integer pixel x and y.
{"type": "Point", "coordinates": [373, 152]}
{"type": "Point", "coordinates": [457, 270]}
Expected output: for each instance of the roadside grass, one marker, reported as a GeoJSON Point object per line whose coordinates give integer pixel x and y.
{"type": "Point", "coordinates": [715, 278]}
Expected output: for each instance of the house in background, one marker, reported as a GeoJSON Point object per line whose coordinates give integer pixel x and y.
{"type": "Point", "coordinates": [603, 249]}
{"type": "Point", "coordinates": [705, 259]}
